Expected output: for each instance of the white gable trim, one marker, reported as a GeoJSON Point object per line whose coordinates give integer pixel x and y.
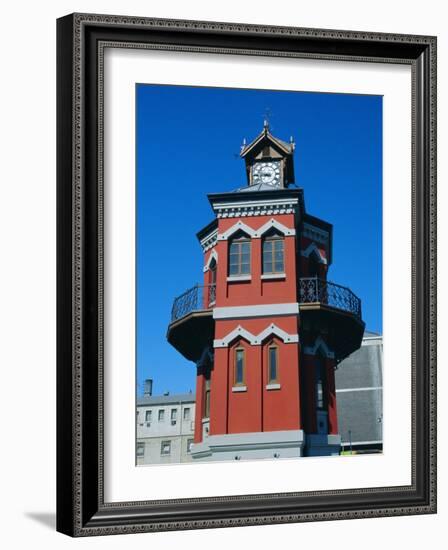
{"type": "Point", "coordinates": [321, 345]}
{"type": "Point", "coordinates": [274, 224]}
{"type": "Point", "coordinates": [256, 233]}
{"type": "Point", "coordinates": [239, 226]}
{"type": "Point", "coordinates": [313, 248]}
{"type": "Point", "coordinates": [213, 256]}
{"type": "Point", "coordinates": [255, 339]}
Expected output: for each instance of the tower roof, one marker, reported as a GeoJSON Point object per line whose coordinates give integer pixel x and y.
{"type": "Point", "coordinates": [261, 140]}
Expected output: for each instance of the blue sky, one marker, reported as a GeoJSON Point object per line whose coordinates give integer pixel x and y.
{"type": "Point", "coordinates": [188, 142]}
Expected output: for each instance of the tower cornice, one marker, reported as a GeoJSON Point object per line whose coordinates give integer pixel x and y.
{"type": "Point", "coordinates": [257, 203]}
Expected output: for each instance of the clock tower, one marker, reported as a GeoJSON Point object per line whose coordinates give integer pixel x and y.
{"type": "Point", "coordinates": [269, 161]}
{"type": "Point", "coordinates": [266, 328]}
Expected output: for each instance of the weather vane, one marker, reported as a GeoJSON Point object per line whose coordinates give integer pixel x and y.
{"type": "Point", "coordinates": [267, 118]}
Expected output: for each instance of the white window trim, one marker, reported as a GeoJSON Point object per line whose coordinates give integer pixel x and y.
{"type": "Point", "coordinates": [213, 256]}
{"type": "Point", "coordinates": [237, 278]}
{"type": "Point", "coordinates": [256, 233]}
{"type": "Point", "coordinates": [269, 276]}
{"type": "Point", "coordinates": [256, 339]}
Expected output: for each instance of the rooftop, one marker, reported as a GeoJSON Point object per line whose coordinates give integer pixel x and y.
{"type": "Point", "coordinates": [165, 399]}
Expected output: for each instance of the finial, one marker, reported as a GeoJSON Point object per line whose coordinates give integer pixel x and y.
{"type": "Point", "coordinates": [244, 144]}
{"type": "Point", "coordinates": [266, 119]}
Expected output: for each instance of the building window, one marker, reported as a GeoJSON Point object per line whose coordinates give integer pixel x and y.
{"type": "Point", "coordinates": [148, 416]}
{"type": "Point", "coordinates": [189, 444]}
{"type": "Point", "coordinates": [161, 415]}
{"type": "Point", "coordinates": [272, 364]}
{"type": "Point", "coordinates": [206, 398]}
{"type": "Point", "coordinates": [173, 416]}
{"type": "Point", "coordinates": [321, 383]}
{"type": "Point", "coordinates": [273, 254]}
{"type": "Point", "coordinates": [187, 413]}
{"type": "Point", "coordinates": [239, 367]}
{"type": "Point", "coordinates": [212, 283]}
{"type": "Point", "coordinates": [140, 449]}
{"type": "Point", "coordinates": [239, 257]}
{"type": "Point", "coordinates": [165, 448]}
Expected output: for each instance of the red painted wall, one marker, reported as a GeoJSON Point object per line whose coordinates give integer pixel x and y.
{"type": "Point", "coordinates": [258, 408]}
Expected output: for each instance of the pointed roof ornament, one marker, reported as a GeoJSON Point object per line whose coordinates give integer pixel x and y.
{"type": "Point", "coordinates": [266, 125]}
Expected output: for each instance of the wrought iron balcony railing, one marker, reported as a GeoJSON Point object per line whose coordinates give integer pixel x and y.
{"type": "Point", "coordinates": [197, 298]}
{"type": "Point", "coordinates": [313, 290]}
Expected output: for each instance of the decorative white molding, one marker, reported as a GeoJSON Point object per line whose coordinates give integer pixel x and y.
{"type": "Point", "coordinates": [315, 233]}
{"type": "Point", "coordinates": [256, 233]}
{"type": "Point", "coordinates": [213, 256]}
{"type": "Point", "coordinates": [237, 389]}
{"type": "Point", "coordinates": [321, 345]}
{"type": "Point", "coordinates": [273, 386]}
{"type": "Point", "coordinates": [274, 224]}
{"type": "Point", "coordinates": [239, 226]}
{"type": "Point", "coordinates": [261, 310]}
{"type": "Point", "coordinates": [209, 241]}
{"type": "Point", "coordinates": [255, 339]}
{"type": "Point", "coordinates": [256, 208]}
{"type": "Point", "coordinates": [270, 276]}
{"type": "Point", "coordinates": [313, 248]}
{"type": "Point", "coordinates": [237, 278]}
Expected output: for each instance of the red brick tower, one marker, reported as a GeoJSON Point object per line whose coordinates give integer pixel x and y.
{"type": "Point", "coordinates": [266, 329]}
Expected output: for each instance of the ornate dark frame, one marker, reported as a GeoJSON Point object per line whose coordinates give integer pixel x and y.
{"type": "Point", "coordinates": [81, 39]}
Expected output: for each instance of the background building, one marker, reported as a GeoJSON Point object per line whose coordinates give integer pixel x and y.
{"type": "Point", "coordinates": [165, 427]}
{"type": "Point", "coordinates": [359, 390]}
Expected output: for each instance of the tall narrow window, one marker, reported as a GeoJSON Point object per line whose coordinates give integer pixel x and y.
{"type": "Point", "coordinates": [239, 257]}
{"type": "Point", "coordinates": [206, 399]}
{"type": "Point", "coordinates": [272, 364]}
{"type": "Point", "coordinates": [212, 283]}
{"type": "Point", "coordinates": [239, 366]}
{"type": "Point", "coordinates": [273, 254]}
{"type": "Point", "coordinates": [321, 379]}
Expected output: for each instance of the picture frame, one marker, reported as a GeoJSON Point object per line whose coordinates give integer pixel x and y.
{"type": "Point", "coordinates": [81, 506]}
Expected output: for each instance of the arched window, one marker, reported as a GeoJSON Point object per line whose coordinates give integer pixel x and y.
{"type": "Point", "coordinates": [239, 378]}
{"type": "Point", "coordinates": [212, 282]}
{"type": "Point", "coordinates": [273, 254]}
{"type": "Point", "coordinates": [239, 255]}
{"type": "Point", "coordinates": [206, 412]}
{"type": "Point", "coordinates": [321, 388]}
{"type": "Point", "coordinates": [273, 364]}
{"type": "Point", "coordinates": [321, 383]}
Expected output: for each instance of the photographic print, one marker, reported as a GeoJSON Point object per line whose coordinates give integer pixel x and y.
{"type": "Point", "coordinates": [258, 274]}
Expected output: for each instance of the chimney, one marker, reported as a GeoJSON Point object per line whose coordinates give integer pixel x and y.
{"type": "Point", "coordinates": [147, 388]}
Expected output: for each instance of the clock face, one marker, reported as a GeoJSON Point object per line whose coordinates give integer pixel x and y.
{"type": "Point", "coordinates": [266, 172]}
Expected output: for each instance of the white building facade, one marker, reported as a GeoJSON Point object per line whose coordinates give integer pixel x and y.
{"type": "Point", "coordinates": [165, 428]}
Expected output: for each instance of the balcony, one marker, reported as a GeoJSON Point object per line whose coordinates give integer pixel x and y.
{"type": "Point", "coordinates": [191, 328]}
{"type": "Point", "coordinates": [333, 311]}
{"type": "Point", "coordinates": [198, 298]}
{"type": "Point", "coordinates": [326, 309]}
